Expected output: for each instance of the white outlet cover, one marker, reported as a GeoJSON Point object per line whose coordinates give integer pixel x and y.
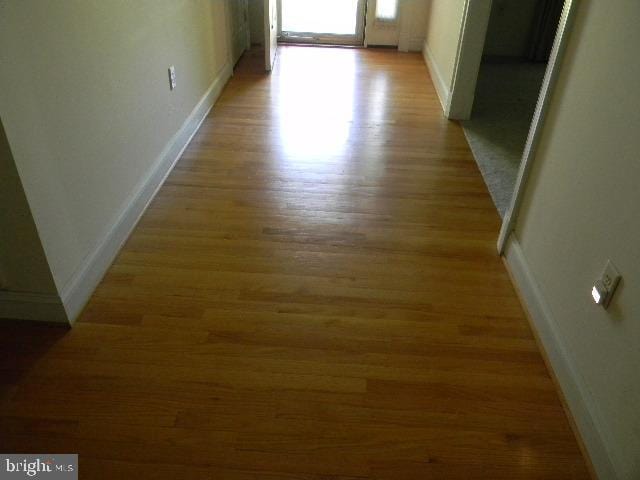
{"type": "Point", "coordinates": [172, 77]}
{"type": "Point", "coordinates": [610, 279]}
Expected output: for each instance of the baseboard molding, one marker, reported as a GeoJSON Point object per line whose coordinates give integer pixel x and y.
{"type": "Point", "coordinates": [32, 306]}
{"type": "Point", "coordinates": [442, 89]}
{"type": "Point", "coordinates": [81, 286]}
{"type": "Point", "coordinates": [575, 395]}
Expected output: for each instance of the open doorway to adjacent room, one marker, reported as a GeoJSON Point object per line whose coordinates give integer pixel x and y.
{"type": "Point", "coordinates": [516, 53]}
{"type": "Point", "coordinates": [506, 67]}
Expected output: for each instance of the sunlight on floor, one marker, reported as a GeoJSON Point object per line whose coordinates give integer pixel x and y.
{"type": "Point", "coordinates": [320, 16]}
{"type": "Point", "coordinates": [316, 109]}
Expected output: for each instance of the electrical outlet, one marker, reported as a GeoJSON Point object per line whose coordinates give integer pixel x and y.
{"type": "Point", "coordinates": [172, 77]}
{"type": "Point", "coordinates": [605, 286]}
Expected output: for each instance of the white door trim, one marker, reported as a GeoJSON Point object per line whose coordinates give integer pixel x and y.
{"type": "Point", "coordinates": [271, 28]}
{"type": "Point", "coordinates": [382, 32]}
{"type": "Point", "coordinates": [475, 21]}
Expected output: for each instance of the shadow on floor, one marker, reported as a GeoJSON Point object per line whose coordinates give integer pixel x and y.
{"type": "Point", "coordinates": [22, 344]}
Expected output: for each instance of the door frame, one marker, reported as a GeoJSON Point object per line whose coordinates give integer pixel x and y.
{"type": "Point", "coordinates": [326, 38]}
{"type": "Point", "coordinates": [384, 33]}
{"type": "Point", "coordinates": [535, 131]}
{"type": "Point", "coordinates": [271, 27]}
{"type": "Point", "coordinates": [473, 30]}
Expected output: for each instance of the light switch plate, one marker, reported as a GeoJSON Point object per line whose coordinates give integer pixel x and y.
{"type": "Point", "coordinates": [610, 279]}
{"type": "Point", "coordinates": [172, 77]}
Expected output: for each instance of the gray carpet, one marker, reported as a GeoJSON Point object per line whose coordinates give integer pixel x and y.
{"type": "Point", "coordinates": [505, 101]}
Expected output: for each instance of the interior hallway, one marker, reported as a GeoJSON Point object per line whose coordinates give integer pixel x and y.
{"type": "Point", "coordinates": [314, 293]}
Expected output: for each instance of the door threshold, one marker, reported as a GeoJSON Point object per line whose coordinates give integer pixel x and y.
{"type": "Point", "coordinates": [325, 45]}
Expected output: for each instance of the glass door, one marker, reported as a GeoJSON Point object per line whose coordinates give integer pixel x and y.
{"type": "Point", "coordinates": [383, 23]}
{"type": "Point", "coordinates": [338, 22]}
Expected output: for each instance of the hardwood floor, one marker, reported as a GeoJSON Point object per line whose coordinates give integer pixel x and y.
{"type": "Point", "coordinates": [313, 294]}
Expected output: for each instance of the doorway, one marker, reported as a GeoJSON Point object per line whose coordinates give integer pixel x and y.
{"type": "Point", "coordinates": [546, 42]}
{"type": "Point", "coordinates": [338, 22]}
{"type": "Point", "coordinates": [516, 52]}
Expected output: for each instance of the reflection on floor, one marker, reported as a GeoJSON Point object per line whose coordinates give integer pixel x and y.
{"type": "Point", "coordinates": [505, 101]}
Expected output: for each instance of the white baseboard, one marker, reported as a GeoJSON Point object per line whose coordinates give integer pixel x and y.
{"type": "Point", "coordinates": [442, 89]}
{"type": "Point", "coordinates": [81, 286]}
{"type": "Point", "coordinates": [32, 306]}
{"type": "Point", "coordinates": [575, 392]}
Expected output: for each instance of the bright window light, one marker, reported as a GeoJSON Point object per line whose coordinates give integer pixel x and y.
{"type": "Point", "coordinates": [336, 17]}
{"type": "Point", "coordinates": [386, 10]}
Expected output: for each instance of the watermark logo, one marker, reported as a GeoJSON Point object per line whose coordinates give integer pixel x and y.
{"type": "Point", "coordinates": [50, 467]}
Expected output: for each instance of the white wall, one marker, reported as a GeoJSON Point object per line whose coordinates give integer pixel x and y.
{"type": "Point", "coordinates": [87, 110]}
{"type": "Point", "coordinates": [23, 266]}
{"type": "Point", "coordinates": [582, 207]}
{"type": "Point", "coordinates": [256, 21]}
{"type": "Point", "coordinates": [444, 25]}
{"type": "Point", "coordinates": [413, 25]}
{"type": "Point", "coordinates": [510, 27]}
{"type": "Point", "coordinates": [240, 34]}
